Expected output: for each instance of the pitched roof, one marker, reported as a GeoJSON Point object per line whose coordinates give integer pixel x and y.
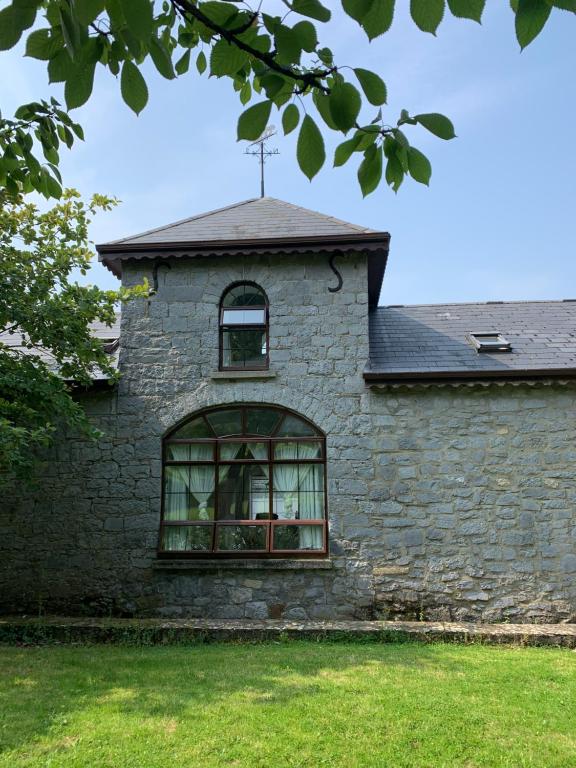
{"type": "Point", "coordinates": [429, 341]}
{"type": "Point", "coordinates": [259, 218]}
{"type": "Point", "coordinates": [260, 225]}
{"type": "Point", "coordinates": [99, 331]}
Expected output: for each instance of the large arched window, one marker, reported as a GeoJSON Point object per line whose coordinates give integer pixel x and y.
{"type": "Point", "coordinates": [243, 328]}
{"type": "Point", "coordinates": [245, 480]}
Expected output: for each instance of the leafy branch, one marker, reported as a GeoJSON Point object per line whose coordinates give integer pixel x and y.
{"type": "Point", "coordinates": [262, 55]}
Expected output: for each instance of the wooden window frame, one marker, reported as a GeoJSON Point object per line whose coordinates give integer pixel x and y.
{"type": "Point", "coordinates": [270, 523]}
{"type": "Point", "coordinates": [223, 327]}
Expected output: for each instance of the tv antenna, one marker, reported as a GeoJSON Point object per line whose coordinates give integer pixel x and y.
{"type": "Point", "coordinates": [259, 149]}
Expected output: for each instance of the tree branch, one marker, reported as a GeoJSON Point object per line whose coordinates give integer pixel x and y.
{"type": "Point", "coordinates": [311, 79]}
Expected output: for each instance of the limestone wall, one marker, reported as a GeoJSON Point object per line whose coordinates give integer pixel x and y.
{"type": "Point", "coordinates": [442, 502]}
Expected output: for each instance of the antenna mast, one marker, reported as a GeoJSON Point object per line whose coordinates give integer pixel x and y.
{"type": "Point", "coordinates": [262, 152]}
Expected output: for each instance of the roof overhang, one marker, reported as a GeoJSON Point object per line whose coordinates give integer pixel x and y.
{"type": "Point", "coordinates": [374, 244]}
{"type": "Point", "coordinates": [432, 377]}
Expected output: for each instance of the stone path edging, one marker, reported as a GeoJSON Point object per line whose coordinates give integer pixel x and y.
{"type": "Point", "coordinates": [178, 631]}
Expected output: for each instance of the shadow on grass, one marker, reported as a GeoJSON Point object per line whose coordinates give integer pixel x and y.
{"type": "Point", "coordinates": [43, 687]}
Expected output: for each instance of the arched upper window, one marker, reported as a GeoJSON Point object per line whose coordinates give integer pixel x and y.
{"type": "Point", "coordinates": [243, 328]}
{"type": "Point", "coordinates": [244, 480]}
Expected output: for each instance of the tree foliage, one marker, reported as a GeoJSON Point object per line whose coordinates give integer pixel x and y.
{"type": "Point", "coordinates": [276, 60]}
{"type": "Point", "coordinates": [46, 318]}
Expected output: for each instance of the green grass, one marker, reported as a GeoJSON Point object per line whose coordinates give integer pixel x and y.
{"type": "Point", "coordinates": [287, 704]}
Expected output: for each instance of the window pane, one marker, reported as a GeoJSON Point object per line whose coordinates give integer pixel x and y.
{"type": "Point", "coordinates": [292, 426]}
{"type": "Point", "coordinates": [226, 422]}
{"type": "Point", "coordinates": [246, 451]}
{"type": "Point", "coordinates": [194, 452]}
{"type": "Point", "coordinates": [298, 537]}
{"type": "Point", "coordinates": [241, 537]}
{"type": "Point", "coordinates": [195, 428]}
{"type": "Point", "coordinates": [186, 538]}
{"type": "Point", "coordinates": [262, 421]}
{"type": "Point", "coordinates": [244, 316]}
{"type": "Point", "coordinates": [243, 492]}
{"type": "Point", "coordinates": [243, 349]}
{"type": "Point", "coordinates": [292, 450]}
{"type": "Point", "coordinates": [244, 296]}
{"type": "Point", "coordinates": [189, 492]}
{"type": "Point", "coordinates": [298, 491]}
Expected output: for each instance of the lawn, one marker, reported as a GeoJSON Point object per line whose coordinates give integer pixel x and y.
{"type": "Point", "coordinates": [287, 704]}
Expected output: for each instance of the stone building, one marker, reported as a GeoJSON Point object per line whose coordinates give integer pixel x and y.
{"type": "Point", "coordinates": [281, 446]}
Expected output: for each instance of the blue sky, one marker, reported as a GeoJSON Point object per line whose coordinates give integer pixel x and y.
{"type": "Point", "coordinates": [496, 222]}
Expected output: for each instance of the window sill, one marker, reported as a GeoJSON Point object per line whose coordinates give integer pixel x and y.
{"type": "Point", "coordinates": [249, 564]}
{"type": "Point", "coordinates": [241, 375]}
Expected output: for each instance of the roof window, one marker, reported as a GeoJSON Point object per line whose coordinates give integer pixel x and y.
{"type": "Point", "coordinates": [489, 342]}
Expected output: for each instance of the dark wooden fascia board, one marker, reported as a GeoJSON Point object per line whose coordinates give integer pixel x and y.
{"type": "Point", "coordinates": [414, 377]}
{"type": "Point", "coordinates": [259, 244]}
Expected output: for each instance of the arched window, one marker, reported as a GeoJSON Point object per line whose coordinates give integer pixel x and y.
{"type": "Point", "coordinates": [243, 328]}
{"type": "Point", "coordinates": [245, 480]}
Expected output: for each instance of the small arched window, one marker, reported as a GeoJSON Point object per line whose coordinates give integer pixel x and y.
{"type": "Point", "coordinates": [244, 480]}
{"type": "Point", "coordinates": [243, 328]}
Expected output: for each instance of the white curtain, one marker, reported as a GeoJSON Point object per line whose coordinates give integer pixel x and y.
{"type": "Point", "coordinates": [183, 482]}
{"type": "Point", "coordinates": [302, 488]}
{"type": "Point", "coordinates": [286, 477]}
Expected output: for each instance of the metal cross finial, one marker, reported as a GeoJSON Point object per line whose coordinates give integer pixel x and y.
{"type": "Point", "coordinates": [262, 152]}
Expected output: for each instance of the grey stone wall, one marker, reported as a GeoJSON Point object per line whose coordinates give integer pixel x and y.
{"type": "Point", "coordinates": [453, 503]}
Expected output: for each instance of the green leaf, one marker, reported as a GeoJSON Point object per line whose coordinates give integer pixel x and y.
{"type": "Point", "coordinates": [322, 103]}
{"type": "Point", "coordinates": [140, 18]}
{"type": "Point", "coordinates": [290, 118]}
{"type": "Point", "coordinates": [427, 14]}
{"type": "Point", "coordinates": [357, 9]}
{"type": "Point", "coordinates": [71, 31]}
{"type": "Point", "coordinates": [88, 10]}
{"type": "Point", "coordinates": [379, 18]}
{"type": "Point", "coordinates": [60, 67]}
{"type": "Point", "coordinates": [370, 170]}
{"type": "Point", "coordinates": [530, 19]}
{"type": "Point", "coordinates": [467, 9]}
{"type": "Point", "coordinates": [79, 82]}
{"type": "Point", "coordinates": [183, 63]}
{"type": "Point", "coordinates": [133, 87]}
{"type": "Point", "coordinates": [201, 62]}
{"type": "Point", "coordinates": [252, 122]}
{"type": "Point", "coordinates": [288, 47]}
{"type": "Point", "coordinates": [245, 93]}
{"type": "Point", "coordinates": [161, 58]}
{"type": "Point", "coordinates": [345, 103]}
{"type": "Point", "coordinates": [41, 45]}
{"type": "Point", "coordinates": [419, 166]}
{"type": "Point", "coordinates": [305, 32]}
{"type": "Point", "coordinates": [14, 20]}
{"type": "Point", "coordinates": [312, 8]}
{"type": "Point", "coordinates": [344, 151]}
{"type": "Point", "coordinates": [437, 124]}
{"type": "Point", "coordinates": [226, 59]}
{"type": "Point", "coordinates": [394, 171]}
{"type": "Point", "coordinates": [373, 86]}
{"type": "Point", "coordinates": [564, 5]}
{"type": "Point", "coordinates": [310, 150]}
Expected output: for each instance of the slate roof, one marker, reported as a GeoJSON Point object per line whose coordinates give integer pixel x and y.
{"type": "Point", "coordinates": [259, 218]}
{"type": "Point", "coordinates": [260, 225]}
{"type": "Point", "coordinates": [99, 331]}
{"type": "Point", "coordinates": [428, 341]}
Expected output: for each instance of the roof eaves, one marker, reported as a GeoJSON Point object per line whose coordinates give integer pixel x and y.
{"type": "Point", "coordinates": [407, 377]}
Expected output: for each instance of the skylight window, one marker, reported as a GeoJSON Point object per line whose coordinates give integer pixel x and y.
{"type": "Point", "coordinates": [489, 342]}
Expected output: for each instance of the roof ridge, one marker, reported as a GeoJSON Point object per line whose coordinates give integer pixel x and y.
{"type": "Point", "coordinates": [476, 303]}
{"type": "Point", "coordinates": [318, 213]}
{"type": "Point", "coordinates": [184, 221]}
